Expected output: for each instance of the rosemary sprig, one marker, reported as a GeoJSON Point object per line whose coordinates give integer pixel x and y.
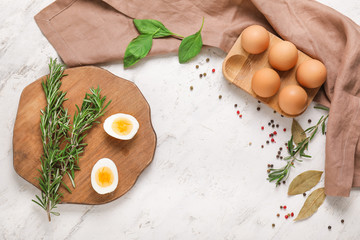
{"type": "Point", "coordinates": [296, 151]}
{"type": "Point", "coordinates": [55, 128]}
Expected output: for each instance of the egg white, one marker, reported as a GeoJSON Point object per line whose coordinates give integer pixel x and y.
{"type": "Point", "coordinates": [104, 162]}
{"type": "Point", "coordinates": [108, 122]}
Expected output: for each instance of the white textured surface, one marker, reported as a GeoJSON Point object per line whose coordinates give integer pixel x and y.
{"type": "Point", "coordinates": [205, 181]}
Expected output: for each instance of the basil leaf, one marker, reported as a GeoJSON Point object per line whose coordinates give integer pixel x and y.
{"type": "Point", "coordinates": [137, 49]}
{"type": "Point", "coordinates": [190, 46]}
{"type": "Point", "coordinates": [152, 27]}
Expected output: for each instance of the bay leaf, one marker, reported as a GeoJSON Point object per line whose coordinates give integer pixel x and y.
{"type": "Point", "coordinates": [304, 182]}
{"type": "Point", "coordinates": [297, 132]}
{"type": "Point", "coordinates": [312, 203]}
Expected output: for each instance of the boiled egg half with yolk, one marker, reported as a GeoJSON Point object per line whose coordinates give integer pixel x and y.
{"type": "Point", "coordinates": [121, 126]}
{"type": "Point", "coordinates": [104, 176]}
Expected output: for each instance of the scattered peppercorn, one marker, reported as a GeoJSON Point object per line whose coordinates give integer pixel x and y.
{"type": "Point", "coordinates": [250, 143]}
{"type": "Point", "coordinates": [262, 128]}
{"type": "Point", "coordinates": [277, 125]}
{"type": "Point", "coordinates": [197, 66]}
{"type": "Point", "coordinates": [240, 116]}
{"type": "Point", "coordinates": [259, 101]}
{"type": "Point", "coordinates": [271, 135]}
{"type": "Point", "coordinates": [281, 157]}
{"type": "Point", "coordinates": [272, 121]}
{"type": "Point", "coordinates": [309, 121]}
{"type": "Point", "coordinates": [269, 124]}
{"type": "Point", "coordinates": [292, 214]}
{"type": "Point", "coordinates": [277, 156]}
{"type": "Point", "coordinates": [342, 221]}
{"type": "Point", "coordinates": [191, 88]}
{"type": "Point", "coordinates": [281, 207]}
{"type": "Point", "coordinates": [213, 70]}
{"type": "Point", "coordinates": [284, 207]}
{"type": "Point", "coordinates": [267, 142]}
{"type": "Point", "coordinates": [278, 215]}
{"type": "Point", "coordinates": [279, 152]}
{"type": "Point", "coordinates": [238, 112]}
{"type": "Point", "coordinates": [235, 105]}
{"type": "Point", "coordinates": [329, 227]}
{"type": "Point", "coordinates": [282, 115]}
{"type": "Point", "coordinates": [272, 140]}
{"type": "Point", "coordinates": [273, 126]}
{"type": "Point", "coordinates": [285, 144]}
{"type": "Point", "coordinates": [200, 75]}
{"type": "Point", "coordinates": [269, 165]}
{"type": "Point", "coordinates": [284, 129]}
{"type": "Point", "coordinates": [204, 74]}
{"type": "Point", "coordinates": [275, 132]}
{"type": "Point", "coordinates": [284, 183]}
{"type": "Point", "coordinates": [262, 146]}
{"type": "Point", "coordinates": [304, 194]}
{"type": "Point", "coordinates": [272, 165]}
{"type": "Point", "coordinates": [207, 60]}
{"type": "Point", "coordinates": [258, 108]}
{"type": "Point", "coordinates": [220, 96]}
{"type": "Point", "coordinates": [280, 148]}
{"type": "Point", "coordinates": [268, 170]}
{"type": "Point", "coordinates": [274, 111]}
{"type": "Point", "coordinates": [286, 216]}
{"type": "Point", "coordinates": [273, 225]}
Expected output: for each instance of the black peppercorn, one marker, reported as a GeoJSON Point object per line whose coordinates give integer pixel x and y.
{"type": "Point", "coordinates": [329, 227]}
{"type": "Point", "coordinates": [235, 105]}
{"type": "Point", "coordinates": [258, 108]}
{"type": "Point", "coordinates": [272, 121]}
{"type": "Point", "coordinates": [309, 121]}
{"type": "Point", "coordinates": [200, 75]}
{"type": "Point", "coordinates": [277, 125]}
{"type": "Point", "coordinates": [207, 60]}
{"type": "Point", "coordinates": [197, 66]}
{"type": "Point", "coordinates": [304, 194]}
{"type": "Point", "coordinates": [191, 88]}
{"type": "Point", "coordinates": [220, 96]}
{"type": "Point", "coordinates": [267, 142]}
{"type": "Point", "coordinates": [342, 221]}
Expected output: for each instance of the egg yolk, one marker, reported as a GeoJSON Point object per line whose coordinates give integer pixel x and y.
{"type": "Point", "coordinates": [104, 177]}
{"type": "Point", "coordinates": [122, 126]}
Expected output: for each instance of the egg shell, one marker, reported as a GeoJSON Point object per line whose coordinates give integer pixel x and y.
{"type": "Point", "coordinates": [104, 162]}
{"type": "Point", "coordinates": [108, 129]}
{"type": "Point", "coordinates": [311, 73]}
{"type": "Point", "coordinates": [283, 56]}
{"type": "Point", "coordinates": [293, 99]}
{"type": "Point", "coordinates": [255, 39]}
{"type": "Point", "coordinates": [265, 82]}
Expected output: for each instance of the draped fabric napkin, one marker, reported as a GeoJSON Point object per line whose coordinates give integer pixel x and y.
{"type": "Point", "coordinates": [93, 31]}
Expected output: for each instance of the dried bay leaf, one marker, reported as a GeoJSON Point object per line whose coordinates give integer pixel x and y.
{"type": "Point", "coordinates": [312, 203]}
{"type": "Point", "coordinates": [304, 182]}
{"type": "Point", "coordinates": [297, 132]}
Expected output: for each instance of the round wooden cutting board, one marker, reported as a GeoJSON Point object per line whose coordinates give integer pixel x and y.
{"type": "Point", "coordinates": [131, 157]}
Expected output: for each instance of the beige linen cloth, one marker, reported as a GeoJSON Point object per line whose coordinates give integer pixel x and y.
{"type": "Point", "coordinates": [94, 31]}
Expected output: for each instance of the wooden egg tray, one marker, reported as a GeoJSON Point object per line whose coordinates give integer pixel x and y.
{"type": "Point", "coordinates": [240, 66]}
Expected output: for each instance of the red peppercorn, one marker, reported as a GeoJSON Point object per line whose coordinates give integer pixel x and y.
{"type": "Point", "coordinates": [262, 128]}
{"type": "Point", "coordinates": [275, 132]}
{"type": "Point", "coordinates": [284, 129]}
{"type": "Point", "coordinates": [286, 216]}
{"type": "Point", "coordinates": [238, 112]}
{"type": "Point", "coordinates": [292, 214]}
{"type": "Point", "coordinates": [213, 70]}
{"type": "Point", "coordinates": [240, 116]}
{"type": "Point", "coordinates": [272, 140]}
{"type": "Point", "coordinates": [284, 207]}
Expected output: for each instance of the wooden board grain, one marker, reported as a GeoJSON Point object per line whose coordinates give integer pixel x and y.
{"type": "Point", "coordinates": [240, 66]}
{"type": "Point", "coordinates": [131, 157]}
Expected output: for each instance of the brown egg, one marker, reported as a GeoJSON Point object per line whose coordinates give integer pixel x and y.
{"type": "Point", "coordinates": [283, 56]}
{"type": "Point", "coordinates": [311, 73]}
{"type": "Point", "coordinates": [293, 99]}
{"type": "Point", "coordinates": [265, 82]}
{"type": "Point", "coordinates": [255, 39]}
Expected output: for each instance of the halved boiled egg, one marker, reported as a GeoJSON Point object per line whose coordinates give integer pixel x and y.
{"type": "Point", "coordinates": [104, 176]}
{"type": "Point", "coordinates": [121, 126]}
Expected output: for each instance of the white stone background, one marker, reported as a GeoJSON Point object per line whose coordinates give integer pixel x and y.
{"type": "Point", "coordinates": [205, 181]}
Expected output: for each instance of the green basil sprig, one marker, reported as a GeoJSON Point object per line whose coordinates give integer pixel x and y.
{"type": "Point", "coordinates": [149, 29]}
